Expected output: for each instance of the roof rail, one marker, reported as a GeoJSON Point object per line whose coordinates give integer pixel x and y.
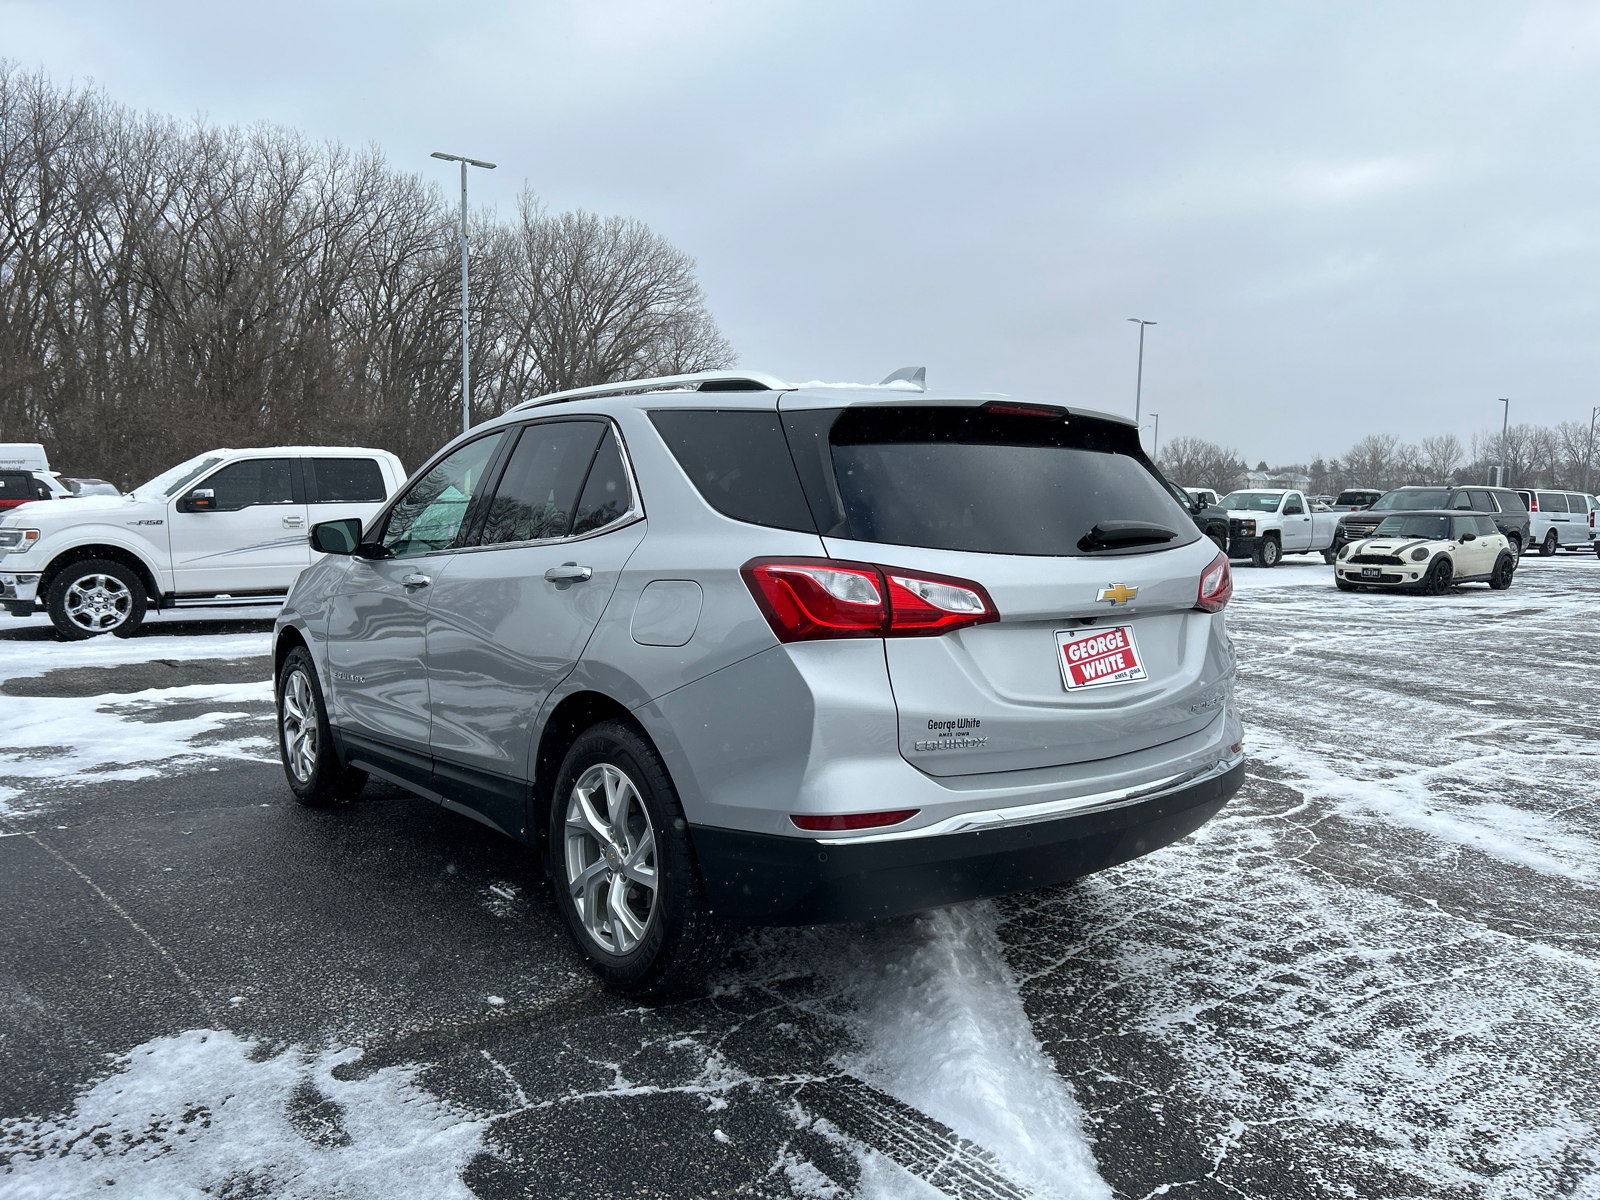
{"type": "Point", "coordinates": [701, 381]}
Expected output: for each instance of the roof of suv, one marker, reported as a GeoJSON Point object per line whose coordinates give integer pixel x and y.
{"type": "Point", "coordinates": [754, 389]}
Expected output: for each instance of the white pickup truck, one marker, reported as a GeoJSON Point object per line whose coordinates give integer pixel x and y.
{"type": "Point", "coordinates": [226, 528]}
{"type": "Point", "coordinates": [1264, 525]}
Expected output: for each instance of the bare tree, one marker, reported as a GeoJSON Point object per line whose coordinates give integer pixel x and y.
{"type": "Point", "coordinates": [1373, 461]}
{"type": "Point", "coordinates": [1194, 462]}
{"type": "Point", "coordinates": [1440, 456]}
{"type": "Point", "coordinates": [165, 288]}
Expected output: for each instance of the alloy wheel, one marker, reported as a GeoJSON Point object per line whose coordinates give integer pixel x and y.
{"type": "Point", "coordinates": [300, 731]}
{"type": "Point", "coordinates": [610, 858]}
{"type": "Point", "coordinates": [98, 603]}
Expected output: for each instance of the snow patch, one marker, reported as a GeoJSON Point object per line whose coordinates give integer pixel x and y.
{"type": "Point", "coordinates": [203, 1114]}
{"type": "Point", "coordinates": [942, 1029]}
{"type": "Point", "coordinates": [56, 740]}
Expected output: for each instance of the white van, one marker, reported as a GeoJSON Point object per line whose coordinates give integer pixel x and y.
{"type": "Point", "coordinates": [1559, 519]}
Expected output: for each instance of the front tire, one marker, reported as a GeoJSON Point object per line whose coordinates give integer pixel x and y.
{"type": "Point", "coordinates": [623, 867]}
{"type": "Point", "coordinates": [1437, 580]}
{"type": "Point", "coordinates": [1268, 553]}
{"type": "Point", "coordinates": [1505, 568]}
{"type": "Point", "coordinates": [1344, 585]}
{"type": "Point", "coordinates": [1550, 545]}
{"type": "Point", "coordinates": [305, 741]}
{"type": "Point", "coordinates": [96, 596]}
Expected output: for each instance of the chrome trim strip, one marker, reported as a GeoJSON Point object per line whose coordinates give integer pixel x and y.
{"type": "Point", "coordinates": [1049, 810]}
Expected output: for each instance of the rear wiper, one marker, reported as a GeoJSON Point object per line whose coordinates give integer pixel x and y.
{"type": "Point", "coordinates": [1109, 535]}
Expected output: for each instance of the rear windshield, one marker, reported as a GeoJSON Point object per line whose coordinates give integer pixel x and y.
{"type": "Point", "coordinates": [1414, 498]}
{"type": "Point", "coordinates": [1435, 529]}
{"type": "Point", "coordinates": [966, 479]}
{"type": "Point", "coordinates": [1356, 497]}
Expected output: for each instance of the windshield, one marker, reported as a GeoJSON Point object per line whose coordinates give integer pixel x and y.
{"type": "Point", "coordinates": [1435, 529]}
{"type": "Point", "coordinates": [171, 481]}
{"type": "Point", "coordinates": [1252, 501]}
{"type": "Point", "coordinates": [1414, 498]}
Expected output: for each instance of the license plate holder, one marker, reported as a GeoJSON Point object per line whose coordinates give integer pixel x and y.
{"type": "Point", "coordinates": [1098, 657]}
{"type": "Point", "coordinates": [1371, 572]}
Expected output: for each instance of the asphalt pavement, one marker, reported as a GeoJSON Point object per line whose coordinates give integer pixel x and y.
{"type": "Point", "coordinates": [1376, 973]}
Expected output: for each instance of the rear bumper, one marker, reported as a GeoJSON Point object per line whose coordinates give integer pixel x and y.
{"type": "Point", "coordinates": [762, 879]}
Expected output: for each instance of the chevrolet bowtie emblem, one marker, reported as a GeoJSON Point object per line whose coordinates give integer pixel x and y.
{"type": "Point", "coordinates": [1117, 594]}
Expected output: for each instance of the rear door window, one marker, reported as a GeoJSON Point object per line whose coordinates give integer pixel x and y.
{"type": "Point", "coordinates": [345, 481]}
{"type": "Point", "coordinates": [538, 490]}
{"type": "Point", "coordinates": [967, 479]}
{"type": "Point", "coordinates": [606, 496]}
{"type": "Point", "coordinates": [1552, 502]}
{"type": "Point", "coordinates": [16, 486]}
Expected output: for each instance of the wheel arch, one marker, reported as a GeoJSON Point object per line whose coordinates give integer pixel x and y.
{"type": "Point", "coordinates": [108, 552]}
{"type": "Point", "coordinates": [289, 639]}
{"type": "Point", "coordinates": [563, 727]}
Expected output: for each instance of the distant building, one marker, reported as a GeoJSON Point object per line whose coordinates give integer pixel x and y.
{"type": "Point", "coordinates": [1289, 480]}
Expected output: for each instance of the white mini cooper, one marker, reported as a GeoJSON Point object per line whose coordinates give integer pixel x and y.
{"type": "Point", "coordinates": [1428, 552]}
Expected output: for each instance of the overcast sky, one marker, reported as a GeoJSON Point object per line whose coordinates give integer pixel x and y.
{"type": "Point", "coordinates": [1346, 218]}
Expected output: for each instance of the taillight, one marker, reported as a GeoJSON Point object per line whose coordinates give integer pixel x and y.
{"type": "Point", "coordinates": [1533, 504]}
{"type": "Point", "coordinates": [1216, 586]}
{"type": "Point", "coordinates": [1003, 408]}
{"type": "Point", "coordinates": [875, 820]}
{"type": "Point", "coordinates": [808, 599]}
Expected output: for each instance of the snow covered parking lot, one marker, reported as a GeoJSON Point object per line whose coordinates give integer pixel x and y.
{"type": "Point", "coordinates": [1375, 973]}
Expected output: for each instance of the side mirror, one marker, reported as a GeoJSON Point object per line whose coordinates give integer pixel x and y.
{"type": "Point", "coordinates": [199, 500]}
{"type": "Point", "coordinates": [337, 537]}
{"type": "Point", "coordinates": [1469, 537]}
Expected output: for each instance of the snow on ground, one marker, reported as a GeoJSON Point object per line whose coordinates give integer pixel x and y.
{"type": "Point", "coordinates": [47, 741]}
{"type": "Point", "coordinates": [206, 1114]}
{"type": "Point", "coordinates": [1383, 952]}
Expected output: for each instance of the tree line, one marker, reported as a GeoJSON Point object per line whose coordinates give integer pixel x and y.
{"type": "Point", "coordinates": [169, 287]}
{"type": "Point", "coordinates": [1536, 456]}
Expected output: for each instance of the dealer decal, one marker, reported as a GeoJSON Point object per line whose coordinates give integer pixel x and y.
{"type": "Point", "coordinates": [1098, 657]}
{"type": "Point", "coordinates": [955, 733]}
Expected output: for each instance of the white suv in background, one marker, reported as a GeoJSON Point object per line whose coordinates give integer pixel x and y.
{"type": "Point", "coordinates": [228, 527]}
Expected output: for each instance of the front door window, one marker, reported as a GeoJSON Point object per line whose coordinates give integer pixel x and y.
{"type": "Point", "coordinates": [429, 516]}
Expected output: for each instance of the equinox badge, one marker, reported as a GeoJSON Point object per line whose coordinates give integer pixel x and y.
{"type": "Point", "coordinates": [1117, 593]}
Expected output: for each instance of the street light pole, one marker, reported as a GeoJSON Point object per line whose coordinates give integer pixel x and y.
{"type": "Point", "coordinates": [1138, 387]}
{"type": "Point", "coordinates": [466, 366]}
{"type": "Point", "coordinates": [1155, 436]}
{"type": "Point", "coordinates": [1505, 422]}
{"type": "Point", "coordinates": [1588, 450]}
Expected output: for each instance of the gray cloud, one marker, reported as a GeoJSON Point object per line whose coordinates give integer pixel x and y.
{"type": "Point", "coordinates": [1345, 217]}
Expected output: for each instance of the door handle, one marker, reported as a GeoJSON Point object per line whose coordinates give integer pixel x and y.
{"type": "Point", "coordinates": [569, 573]}
{"type": "Point", "coordinates": [293, 522]}
{"type": "Point", "coordinates": [415, 579]}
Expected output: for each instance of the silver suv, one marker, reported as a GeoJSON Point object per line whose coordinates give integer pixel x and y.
{"type": "Point", "coordinates": [728, 651]}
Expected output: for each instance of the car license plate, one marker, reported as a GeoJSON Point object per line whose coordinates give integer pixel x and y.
{"type": "Point", "coordinates": [1096, 657]}
{"type": "Point", "coordinates": [1371, 572]}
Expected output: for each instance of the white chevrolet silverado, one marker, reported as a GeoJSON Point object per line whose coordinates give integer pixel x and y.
{"type": "Point", "coordinates": [1264, 525]}
{"type": "Point", "coordinates": [226, 528]}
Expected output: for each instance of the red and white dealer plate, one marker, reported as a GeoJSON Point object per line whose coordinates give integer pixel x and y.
{"type": "Point", "coordinates": [1098, 656]}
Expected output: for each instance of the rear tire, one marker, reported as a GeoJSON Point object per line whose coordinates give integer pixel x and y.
{"type": "Point", "coordinates": [1504, 570]}
{"type": "Point", "coordinates": [624, 870]}
{"type": "Point", "coordinates": [1550, 544]}
{"type": "Point", "coordinates": [1516, 547]}
{"type": "Point", "coordinates": [1437, 580]}
{"type": "Point", "coordinates": [305, 742]}
{"type": "Point", "coordinates": [1267, 553]}
{"type": "Point", "coordinates": [96, 596]}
